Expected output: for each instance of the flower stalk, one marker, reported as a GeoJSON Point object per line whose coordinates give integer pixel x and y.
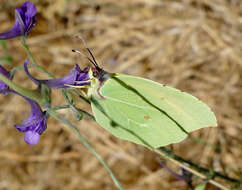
{"type": "Point", "coordinates": [32, 94]}
{"type": "Point", "coordinates": [31, 57]}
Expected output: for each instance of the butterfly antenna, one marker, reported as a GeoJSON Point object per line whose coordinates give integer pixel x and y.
{"type": "Point", "coordinates": [94, 62]}
{"type": "Point", "coordinates": [77, 51]}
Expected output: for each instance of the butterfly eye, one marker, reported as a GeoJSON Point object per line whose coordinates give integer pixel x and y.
{"type": "Point", "coordinates": [95, 73]}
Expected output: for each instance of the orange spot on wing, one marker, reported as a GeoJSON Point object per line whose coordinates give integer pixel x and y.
{"type": "Point", "coordinates": [146, 117]}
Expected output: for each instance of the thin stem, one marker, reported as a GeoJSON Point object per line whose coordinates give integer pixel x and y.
{"type": "Point", "coordinates": [80, 96]}
{"type": "Point", "coordinates": [23, 41]}
{"type": "Point", "coordinates": [20, 68]}
{"type": "Point", "coordinates": [60, 107]}
{"type": "Point", "coordinates": [34, 95]}
{"type": "Point", "coordinates": [87, 115]}
{"type": "Point", "coordinates": [8, 57]}
{"type": "Point", "coordinates": [199, 168]}
{"type": "Point", "coordinates": [84, 141]}
{"type": "Point", "coordinates": [72, 105]}
{"type": "Point", "coordinates": [191, 170]}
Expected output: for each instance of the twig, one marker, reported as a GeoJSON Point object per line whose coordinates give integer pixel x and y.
{"type": "Point", "coordinates": [193, 168]}
{"type": "Point", "coordinates": [198, 168]}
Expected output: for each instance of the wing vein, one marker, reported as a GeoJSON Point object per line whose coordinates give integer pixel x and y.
{"type": "Point", "coordinates": [130, 104]}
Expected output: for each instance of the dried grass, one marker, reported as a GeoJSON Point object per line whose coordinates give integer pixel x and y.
{"type": "Point", "coordinates": [191, 45]}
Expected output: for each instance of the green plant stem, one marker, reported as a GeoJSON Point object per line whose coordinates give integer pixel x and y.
{"type": "Point", "coordinates": [198, 168]}
{"type": "Point", "coordinates": [60, 107]}
{"type": "Point", "coordinates": [8, 57]}
{"type": "Point", "coordinates": [80, 96]}
{"type": "Point", "coordinates": [167, 154]}
{"type": "Point", "coordinates": [85, 114]}
{"type": "Point", "coordinates": [32, 94]}
{"type": "Point", "coordinates": [31, 57]}
{"type": "Point", "coordinates": [84, 141]}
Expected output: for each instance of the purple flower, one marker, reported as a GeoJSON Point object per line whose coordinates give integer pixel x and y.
{"type": "Point", "coordinates": [35, 124]}
{"type": "Point", "coordinates": [25, 20]}
{"type": "Point", "coordinates": [76, 76]}
{"type": "Point", "coordinates": [3, 87]}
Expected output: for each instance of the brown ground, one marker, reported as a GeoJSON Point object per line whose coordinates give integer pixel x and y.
{"type": "Point", "coordinates": [195, 46]}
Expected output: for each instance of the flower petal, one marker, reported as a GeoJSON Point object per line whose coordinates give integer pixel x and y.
{"type": "Point", "coordinates": [30, 9]}
{"type": "Point", "coordinates": [36, 116]}
{"type": "Point", "coordinates": [12, 33]}
{"type": "Point", "coordinates": [35, 124]}
{"type": "Point", "coordinates": [25, 20]}
{"type": "Point", "coordinates": [36, 119]}
{"type": "Point", "coordinates": [76, 76]}
{"type": "Point", "coordinates": [31, 137]}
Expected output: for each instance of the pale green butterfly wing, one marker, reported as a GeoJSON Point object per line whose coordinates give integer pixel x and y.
{"type": "Point", "coordinates": [148, 113]}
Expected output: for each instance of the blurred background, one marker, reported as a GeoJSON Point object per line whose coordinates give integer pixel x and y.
{"type": "Point", "coordinates": [195, 46]}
